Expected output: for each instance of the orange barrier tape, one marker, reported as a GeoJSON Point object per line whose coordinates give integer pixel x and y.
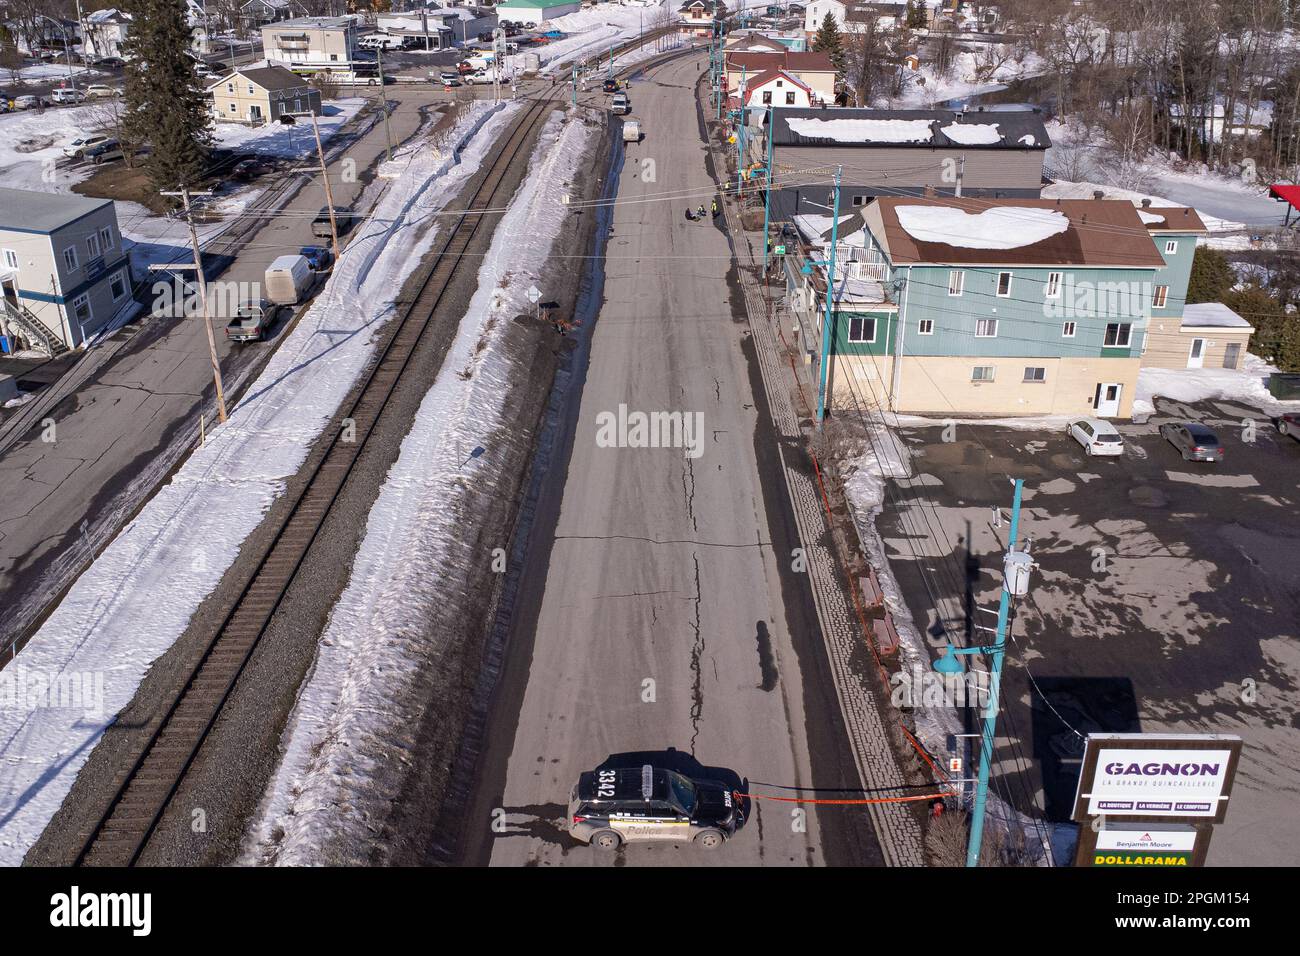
{"type": "Point", "coordinates": [859, 802]}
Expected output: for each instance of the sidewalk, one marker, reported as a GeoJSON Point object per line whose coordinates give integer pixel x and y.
{"type": "Point", "coordinates": [895, 824]}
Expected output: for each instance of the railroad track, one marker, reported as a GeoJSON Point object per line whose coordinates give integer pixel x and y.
{"type": "Point", "coordinates": [143, 791]}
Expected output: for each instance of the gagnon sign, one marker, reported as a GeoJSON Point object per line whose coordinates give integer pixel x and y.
{"type": "Point", "coordinates": [1157, 775]}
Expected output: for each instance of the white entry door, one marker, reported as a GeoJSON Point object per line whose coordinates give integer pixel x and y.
{"type": "Point", "coordinates": [1106, 402]}
{"type": "Point", "coordinates": [1196, 356]}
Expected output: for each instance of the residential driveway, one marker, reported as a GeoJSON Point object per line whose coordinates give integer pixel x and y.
{"type": "Point", "coordinates": [1166, 599]}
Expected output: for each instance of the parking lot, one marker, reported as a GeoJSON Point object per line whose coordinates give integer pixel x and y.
{"type": "Point", "coordinates": [1166, 598]}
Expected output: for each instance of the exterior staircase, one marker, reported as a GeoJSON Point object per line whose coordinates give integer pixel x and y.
{"type": "Point", "coordinates": [18, 317]}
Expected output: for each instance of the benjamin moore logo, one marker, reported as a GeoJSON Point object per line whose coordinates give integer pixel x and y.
{"type": "Point", "coordinates": [74, 909]}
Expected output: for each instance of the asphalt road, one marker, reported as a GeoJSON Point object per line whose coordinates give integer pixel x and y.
{"type": "Point", "coordinates": [663, 631]}
{"type": "Point", "coordinates": [65, 496]}
{"type": "Point", "coordinates": [1166, 599]}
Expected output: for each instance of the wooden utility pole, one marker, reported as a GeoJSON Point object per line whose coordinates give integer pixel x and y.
{"type": "Point", "coordinates": [383, 101]}
{"type": "Point", "coordinates": [324, 175]}
{"type": "Point", "coordinates": [185, 195]}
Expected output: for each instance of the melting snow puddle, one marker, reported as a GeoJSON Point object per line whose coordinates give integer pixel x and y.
{"type": "Point", "coordinates": [1213, 480]}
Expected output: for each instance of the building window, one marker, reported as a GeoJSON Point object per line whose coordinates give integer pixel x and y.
{"type": "Point", "coordinates": [1034, 373]}
{"type": "Point", "coordinates": [1053, 285]}
{"type": "Point", "coordinates": [767, 97]}
{"type": "Point", "coordinates": [250, 89]}
{"type": "Point", "coordinates": [789, 98]}
{"type": "Point", "coordinates": [1160, 296]}
{"type": "Point", "coordinates": [70, 258]}
{"type": "Point", "coordinates": [11, 259]}
{"type": "Point", "coordinates": [1117, 335]}
{"type": "Point", "coordinates": [118, 286]}
{"type": "Point", "coordinates": [925, 327]}
{"type": "Point", "coordinates": [956, 282]}
{"type": "Point", "coordinates": [92, 245]}
{"type": "Point", "coordinates": [106, 238]}
{"type": "Point", "coordinates": [986, 328]}
{"type": "Point", "coordinates": [334, 56]}
{"type": "Point", "coordinates": [1171, 247]}
{"type": "Point", "coordinates": [230, 87]}
{"type": "Point", "coordinates": [1067, 330]}
{"type": "Point", "coordinates": [859, 200]}
{"type": "Point", "coordinates": [862, 329]}
{"type": "Point", "coordinates": [81, 308]}
{"type": "Point", "coordinates": [1004, 284]}
{"type": "Point", "coordinates": [233, 109]}
{"type": "Point", "coordinates": [981, 373]}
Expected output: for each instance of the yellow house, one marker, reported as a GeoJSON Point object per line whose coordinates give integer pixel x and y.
{"type": "Point", "coordinates": [261, 94]}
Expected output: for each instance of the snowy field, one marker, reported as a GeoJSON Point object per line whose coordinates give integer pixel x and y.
{"type": "Point", "coordinates": [595, 31]}
{"type": "Point", "coordinates": [924, 89]}
{"type": "Point", "coordinates": [354, 714]}
{"type": "Point", "coordinates": [112, 625]}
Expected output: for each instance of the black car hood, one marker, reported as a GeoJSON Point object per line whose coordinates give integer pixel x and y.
{"type": "Point", "coordinates": [713, 802]}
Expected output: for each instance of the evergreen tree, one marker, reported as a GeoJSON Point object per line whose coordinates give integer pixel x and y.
{"type": "Point", "coordinates": [1277, 335]}
{"type": "Point", "coordinates": [166, 108]}
{"type": "Point", "coordinates": [1212, 276]}
{"type": "Point", "coordinates": [828, 41]}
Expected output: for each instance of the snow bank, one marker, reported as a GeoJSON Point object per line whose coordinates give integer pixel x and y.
{"type": "Point", "coordinates": [975, 134]}
{"type": "Point", "coordinates": [355, 713]}
{"type": "Point", "coordinates": [999, 227]}
{"type": "Point", "coordinates": [1245, 385]}
{"type": "Point", "coordinates": [863, 130]}
{"type": "Point", "coordinates": [274, 139]}
{"type": "Point", "coordinates": [137, 598]}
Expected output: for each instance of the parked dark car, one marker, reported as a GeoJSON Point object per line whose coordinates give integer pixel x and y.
{"type": "Point", "coordinates": [1193, 440]}
{"type": "Point", "coordinates": [608, 808]}
{"type": "Point", "coordinates": [343, 219]}
{"type": "Point", "coordinates": [610, 86]}
{"type": "Point", "coordinates": [318, 257]}
{"type": "Point", "coordinates": [104, 152]}
{"type": "Point", "coordinates": [247, 169]}
{"type": "Point", "coordinates": [108, 62]}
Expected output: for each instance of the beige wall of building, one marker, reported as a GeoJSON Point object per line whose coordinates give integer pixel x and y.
{"type": "Point", "coordinates": [1170, 346]}
{"type": "Point", "coordinates": [942, 385]}
{"type": "Point", "coordinates": [235, 99]}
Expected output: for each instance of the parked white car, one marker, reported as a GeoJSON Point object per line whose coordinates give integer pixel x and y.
{"type": "Point", "coordinates": [1097, 436]}
{"type": "Point", "coordinates": [99, 89]}
{"type": "Point", "coordinates": [67, 97]}
{"type": "Point", "coordinates": [78, 147]}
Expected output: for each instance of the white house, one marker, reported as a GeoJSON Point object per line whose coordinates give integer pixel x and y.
{"type": "Point", "coordinates": [778, 88]}
{"type": "Point", "coordinates": [106, 31]}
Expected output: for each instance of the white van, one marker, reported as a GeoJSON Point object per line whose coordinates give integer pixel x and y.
{"type": "Point", "coordinates": [380, 41]}
{"type": "Point", "coordinates": [287, 278]}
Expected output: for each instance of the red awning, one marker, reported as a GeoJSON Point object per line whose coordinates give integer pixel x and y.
{"type": "Point", "coordinates": [1286, 192]}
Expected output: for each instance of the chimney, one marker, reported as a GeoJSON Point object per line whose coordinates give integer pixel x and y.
{"type": "Point", "coordinates": [1097, 194]}
{"type": "Point", "coordinates": [1146, 204]}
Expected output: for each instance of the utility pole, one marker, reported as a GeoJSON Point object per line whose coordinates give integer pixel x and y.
{"type": "Point", "coordinates": [1015, 580]}
{"type": "Point", "coordinates": [324, 175]}
{"type": "Point", "coordinates": [185, 194]}
{"type": "Point", "coordinates": [827, 330]}
{"type": "Point", "coordinates": [383, 105]}
{"type": "Point", "coordinates": [767, 194]}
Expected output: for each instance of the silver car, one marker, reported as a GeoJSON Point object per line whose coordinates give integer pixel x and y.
{"type": "Point", "coordinates": [1193, 440]}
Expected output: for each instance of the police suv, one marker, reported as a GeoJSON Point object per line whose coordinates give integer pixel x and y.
{"type": "Point", "coordinates": [610, 807]}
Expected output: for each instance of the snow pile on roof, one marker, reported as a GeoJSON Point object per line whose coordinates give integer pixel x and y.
{"type": "Point", "coordinates": [113, 622]}
{"type": "Point", "coordinates": [863, 130]}
{"type": "Point", "coordinates": [1001, 227]}
{"type": "Point", "coordinates": [1027, 140]}
{"type": "Point", "coordinates": [973, 134]}
{"type": "Point", "coordinates": [1150, 218]}
{"type": "Point", "coordinates": [351, 717]}
{"type": "Point", "coordinates": [811, 226]}
{"type": "Point", "coordinates": [1212, 315]}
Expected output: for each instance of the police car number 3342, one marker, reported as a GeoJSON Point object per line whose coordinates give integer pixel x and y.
{"type": "Point", "coordinates": [613, 806]}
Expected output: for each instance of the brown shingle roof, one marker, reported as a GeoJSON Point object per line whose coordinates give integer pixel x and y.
{"type": "Point", "coordinates": [267, 77]}
{"type": "Point", "coordinates": [1175, 219]}
{"type": "Point", "coordinates": [1103, 232]}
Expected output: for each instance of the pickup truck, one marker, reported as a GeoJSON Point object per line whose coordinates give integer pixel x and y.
{"type": "Point", "coordinates": [252, 318]}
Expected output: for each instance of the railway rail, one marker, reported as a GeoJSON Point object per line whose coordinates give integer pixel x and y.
{"type": "Point", "coordinates": [142, 792]}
